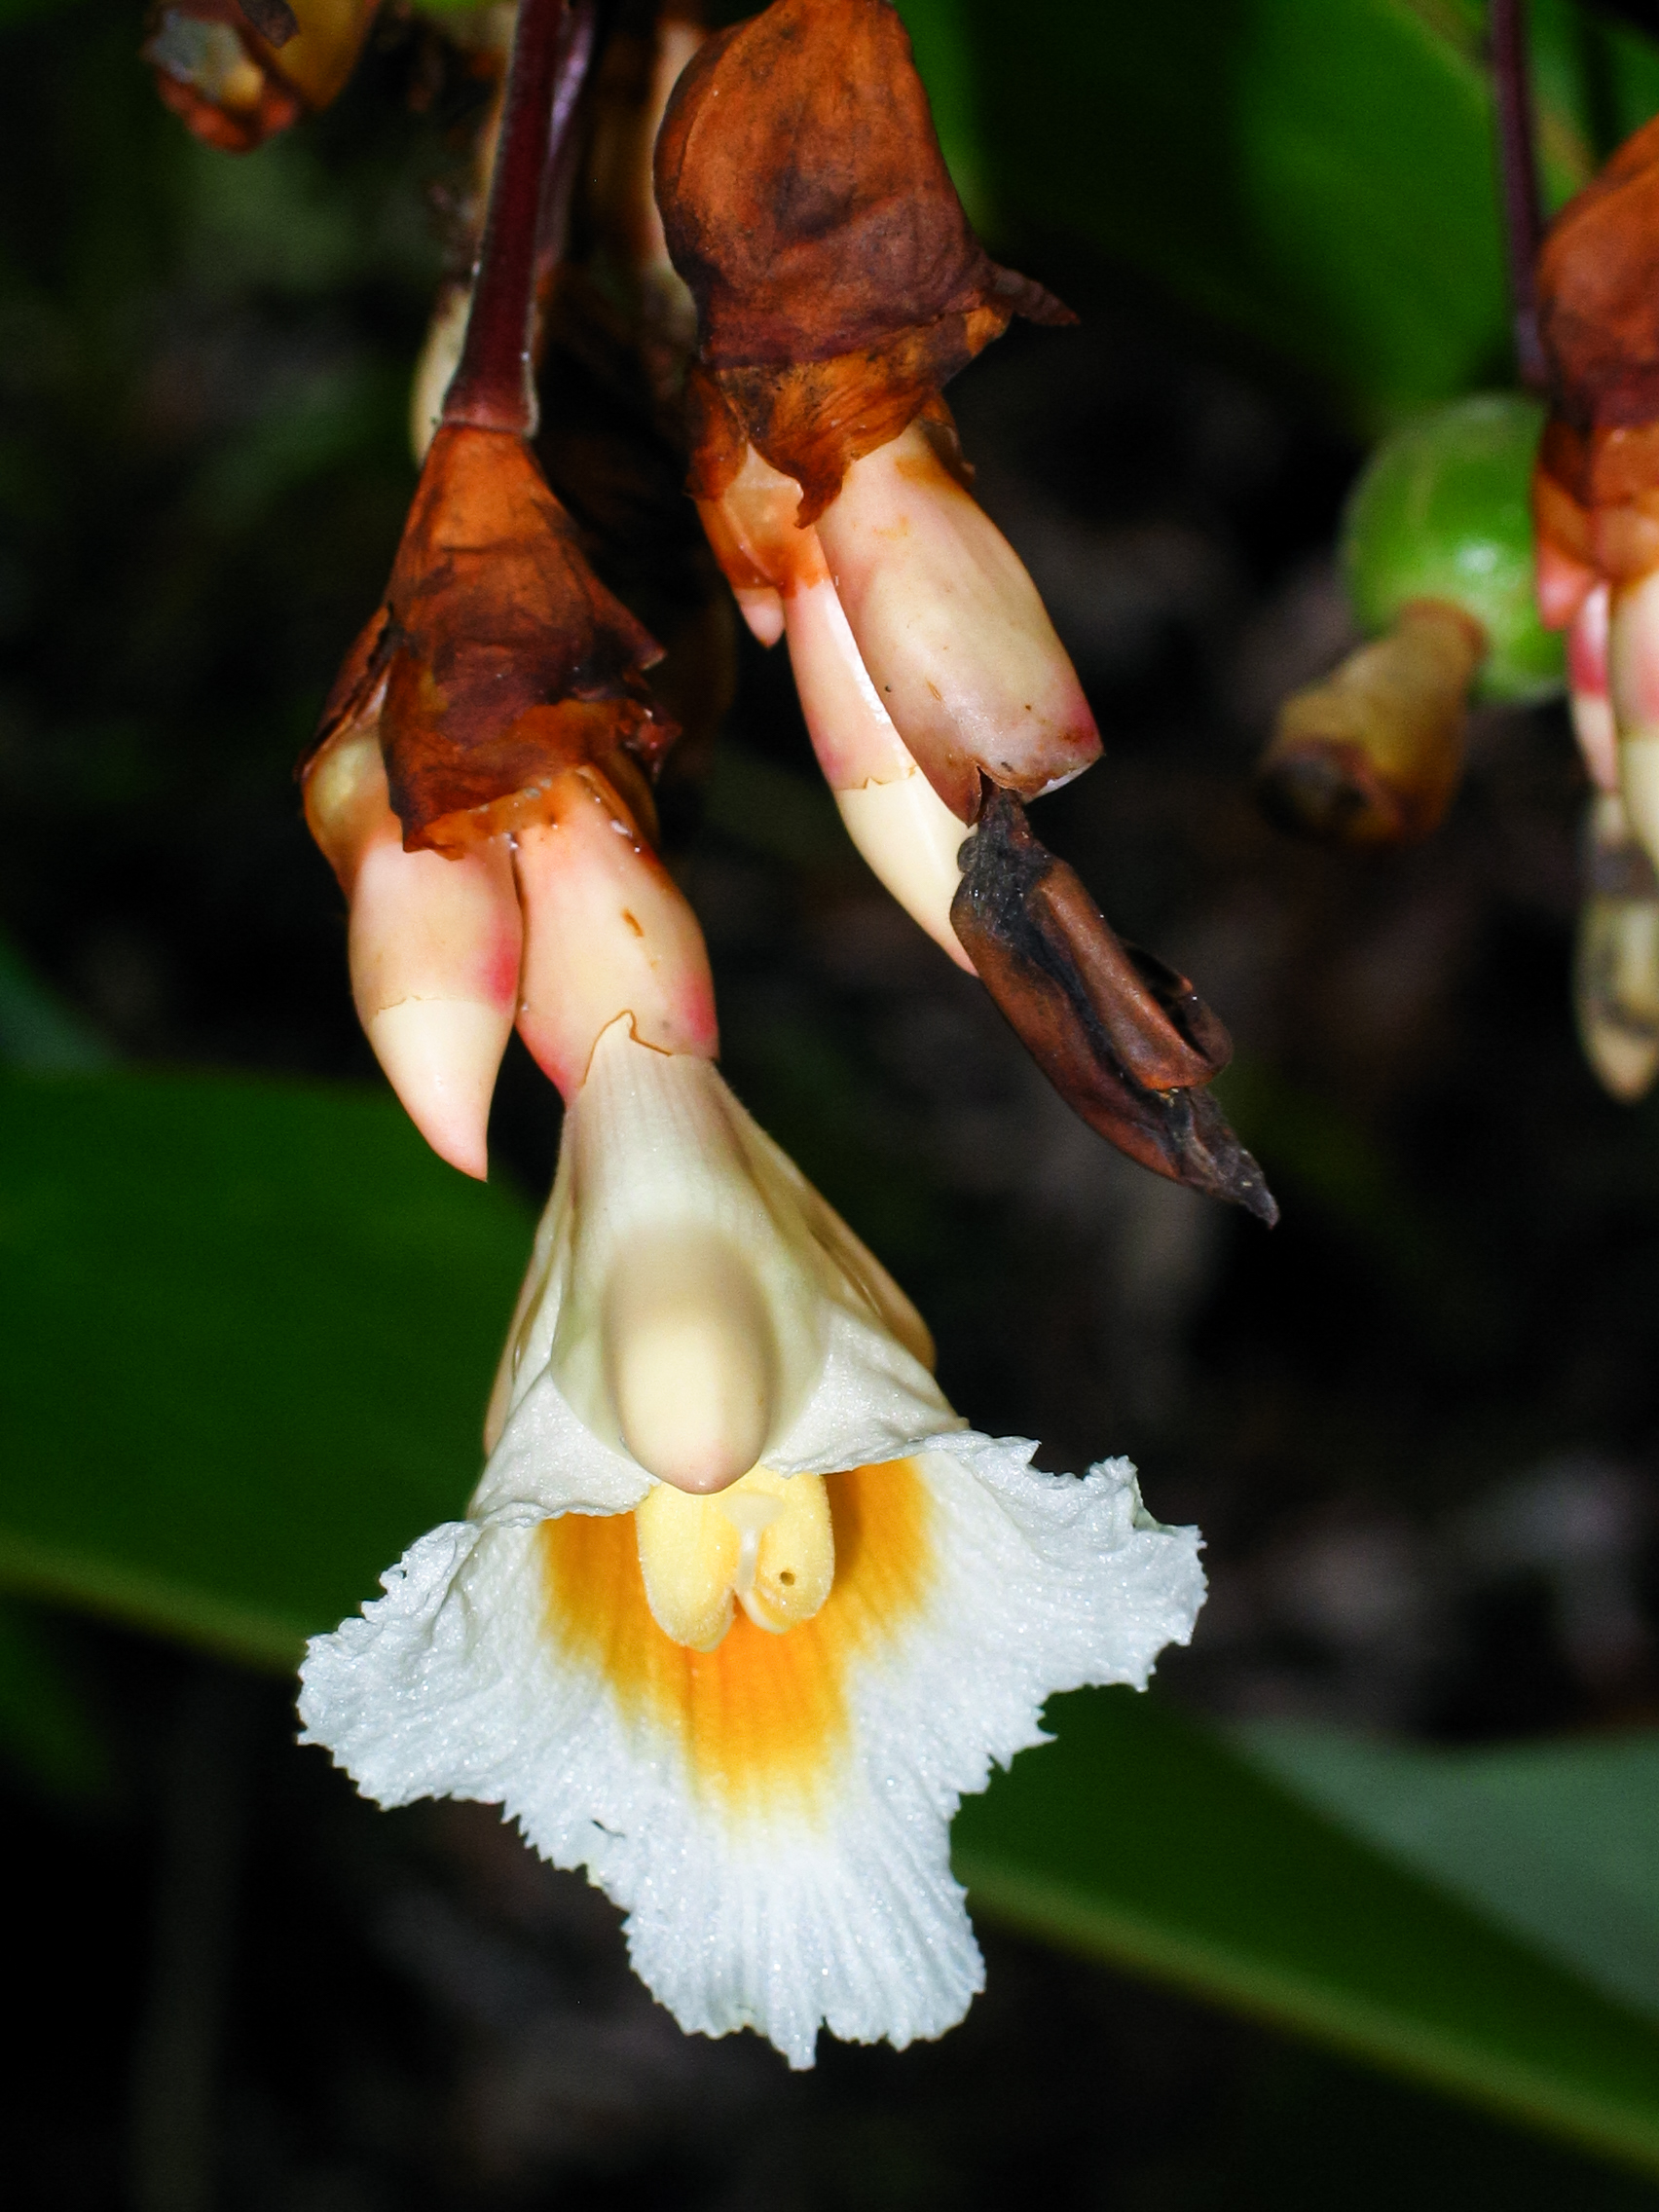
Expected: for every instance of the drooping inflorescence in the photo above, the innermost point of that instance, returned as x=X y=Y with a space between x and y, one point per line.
x=740 y=1606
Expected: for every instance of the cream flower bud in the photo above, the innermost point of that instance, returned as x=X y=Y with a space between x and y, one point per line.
x=1616 y=957
x=608 y=931
x=434 y=946
x=1633 y=680
x=693 y=1306
x=1587 y=680
x=956 y=640
x=898 y=822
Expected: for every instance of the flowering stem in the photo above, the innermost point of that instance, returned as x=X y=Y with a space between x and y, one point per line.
x=1517 y=161
x=493 y=388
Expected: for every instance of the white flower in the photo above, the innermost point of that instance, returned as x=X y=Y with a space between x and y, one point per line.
x=862 y=1625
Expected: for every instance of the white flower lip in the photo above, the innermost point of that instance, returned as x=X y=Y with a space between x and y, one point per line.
x=773 y=1817
x=693 y=1306
x=750 y=1716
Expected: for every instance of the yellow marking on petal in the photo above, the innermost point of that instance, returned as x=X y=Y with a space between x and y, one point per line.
x=762 y=1715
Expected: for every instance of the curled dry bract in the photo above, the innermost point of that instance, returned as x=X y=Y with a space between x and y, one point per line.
x=806 y=203
x=504 y=660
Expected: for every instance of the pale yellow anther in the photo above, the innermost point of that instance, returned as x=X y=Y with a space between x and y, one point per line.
x=765 y=1543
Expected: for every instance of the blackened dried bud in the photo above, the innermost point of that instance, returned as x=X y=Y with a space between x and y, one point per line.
x=838 y=282
x=1373 y=755
x=237 y=74
x=503 y=660
x=1126 y=1042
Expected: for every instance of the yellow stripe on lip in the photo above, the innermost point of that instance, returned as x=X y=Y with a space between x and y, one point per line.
x=762 y=1716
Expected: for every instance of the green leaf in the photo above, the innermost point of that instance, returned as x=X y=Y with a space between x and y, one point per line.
x=1319 y=174
x=1557 y=1841
x=249 y=1330
x=37 y=1030
x=1140 y=1838
x=46 y=1732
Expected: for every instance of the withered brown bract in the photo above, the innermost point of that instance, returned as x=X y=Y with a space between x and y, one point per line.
x=807 y=206
x=504 y=660
x=1126 y=1042
x=1598 y=293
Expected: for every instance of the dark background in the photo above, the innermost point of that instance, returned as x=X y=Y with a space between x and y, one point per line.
x=1416 y=1422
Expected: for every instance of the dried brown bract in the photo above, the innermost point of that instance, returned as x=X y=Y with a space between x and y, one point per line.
x=503 y=659
x=1127 y=1042
x=807 y=206
x=1597 y=485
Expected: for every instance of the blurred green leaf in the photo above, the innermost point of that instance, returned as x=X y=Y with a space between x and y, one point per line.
x=1320 y=174
x=1141 y=1839
x=1558 y=1841
x=37 y=1030
x=46 y=1732
x=249 y=1329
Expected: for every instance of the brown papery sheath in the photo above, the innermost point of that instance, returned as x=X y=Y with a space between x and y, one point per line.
x=807 y=206
x=506 y=660
x=1127 y=1042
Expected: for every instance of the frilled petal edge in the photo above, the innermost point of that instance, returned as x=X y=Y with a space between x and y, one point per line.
x=773 y=1816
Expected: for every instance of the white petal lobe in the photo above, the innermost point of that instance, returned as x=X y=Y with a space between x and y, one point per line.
x=828 y=1902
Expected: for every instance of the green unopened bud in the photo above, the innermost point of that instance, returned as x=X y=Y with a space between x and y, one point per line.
x=1443 y=511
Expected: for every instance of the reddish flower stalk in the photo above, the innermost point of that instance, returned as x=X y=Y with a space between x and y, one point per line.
x=1518 y=172
x=494 y=388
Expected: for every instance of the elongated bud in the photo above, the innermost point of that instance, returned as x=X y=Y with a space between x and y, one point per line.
x=762 y=551
x=1615 y=972
x=1374 y=753
x=765 y=1543
x=893 y=814
x=1633 y=682
x=1587 y=681
x=434 y=946
x=950 y=627
x=694 y=1302
x=607 y=933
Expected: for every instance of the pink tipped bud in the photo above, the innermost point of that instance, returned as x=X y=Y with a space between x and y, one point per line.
x=893 y=814
x=1633 y=684
x=951 y=629
x=1562 y=585
x=433 y=947
x=608 y=931
x=852 y=733
x=763 y=554
x=1587 y=679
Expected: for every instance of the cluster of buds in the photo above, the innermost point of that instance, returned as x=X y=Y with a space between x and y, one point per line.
x=1596 y=494
x=740 y=1606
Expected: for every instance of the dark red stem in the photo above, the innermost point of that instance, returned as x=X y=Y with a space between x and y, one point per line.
x=493 y=388
x=1518 y=163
